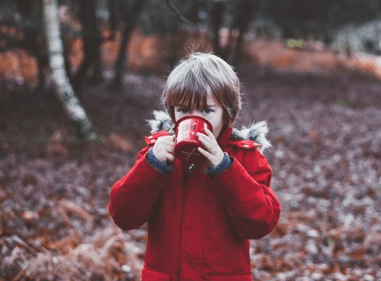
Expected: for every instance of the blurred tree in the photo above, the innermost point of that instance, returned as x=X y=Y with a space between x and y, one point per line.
x=296 y=18
x=112 y=18
x=178 y=14
x=22 y=29
x=235 y=15
x=216 y=15
x=129 y=13
x=242 y=17
x=158 y=17
x=90 y=68
x=186 y=22
x=70 y=102
x=301 y=18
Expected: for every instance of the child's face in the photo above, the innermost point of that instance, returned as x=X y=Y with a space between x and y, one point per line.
x=212 y=112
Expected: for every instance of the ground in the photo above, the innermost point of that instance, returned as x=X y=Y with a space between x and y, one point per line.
x=326 y=137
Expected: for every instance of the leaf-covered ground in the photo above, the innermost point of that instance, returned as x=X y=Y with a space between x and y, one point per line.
x=326 y=158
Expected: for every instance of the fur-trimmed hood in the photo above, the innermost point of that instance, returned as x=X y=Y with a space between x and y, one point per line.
x=255 y=132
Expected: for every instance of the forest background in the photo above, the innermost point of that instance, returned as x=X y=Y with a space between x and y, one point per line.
x=79 y=79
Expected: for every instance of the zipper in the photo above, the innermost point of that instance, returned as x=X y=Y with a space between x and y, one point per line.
x=185 y=191
x=187 y=172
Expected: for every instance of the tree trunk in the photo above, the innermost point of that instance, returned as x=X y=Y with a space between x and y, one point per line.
x=41 y=75
x=65 y=91
x=94 y=38
x=120 y=63
x=242 y=18
x=113 y=25
x=37 y=47
x=216 y=17
x=129 y=24
x=92 y=41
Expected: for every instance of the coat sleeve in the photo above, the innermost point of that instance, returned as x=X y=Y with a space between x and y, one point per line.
x=134 y=196
x=244 y=191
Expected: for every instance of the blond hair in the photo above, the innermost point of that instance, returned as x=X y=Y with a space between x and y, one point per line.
x=198 y=75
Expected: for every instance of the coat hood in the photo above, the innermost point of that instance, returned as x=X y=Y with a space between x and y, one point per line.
x=255 y=132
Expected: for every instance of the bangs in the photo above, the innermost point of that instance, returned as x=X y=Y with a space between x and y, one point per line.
x=188 y=92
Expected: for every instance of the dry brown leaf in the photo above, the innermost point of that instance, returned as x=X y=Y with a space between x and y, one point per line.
x=56 y=149
x=71 y=208
x=119 y=142
x=67 y=244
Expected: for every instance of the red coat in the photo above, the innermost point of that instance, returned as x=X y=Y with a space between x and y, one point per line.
x=198 y=226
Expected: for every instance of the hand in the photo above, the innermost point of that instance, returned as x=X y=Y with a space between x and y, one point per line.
x=212 y=152
x=164 y=148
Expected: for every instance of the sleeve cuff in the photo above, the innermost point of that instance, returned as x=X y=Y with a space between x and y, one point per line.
x=157 y=164
x=224 y=165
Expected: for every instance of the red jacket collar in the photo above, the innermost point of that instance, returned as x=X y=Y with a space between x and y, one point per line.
x=223 y=138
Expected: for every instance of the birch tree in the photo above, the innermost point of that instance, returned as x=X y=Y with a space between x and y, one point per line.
x=65 y=90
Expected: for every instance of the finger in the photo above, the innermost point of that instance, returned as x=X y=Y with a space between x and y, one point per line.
x=210 y=144
x=170 y=148
x=167 y=138
x=168 y=141
x=170 y=157
x=205 y=153
x=165 y=145
x=205 y=137
x=210 y=134
x=206 y=142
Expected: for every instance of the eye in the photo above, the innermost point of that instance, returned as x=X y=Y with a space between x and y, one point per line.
x=182 y=110
x=207 y=110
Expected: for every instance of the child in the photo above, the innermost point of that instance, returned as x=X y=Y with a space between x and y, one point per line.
x=199 y=218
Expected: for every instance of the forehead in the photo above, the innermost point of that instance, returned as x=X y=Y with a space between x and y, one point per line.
x=210 y=100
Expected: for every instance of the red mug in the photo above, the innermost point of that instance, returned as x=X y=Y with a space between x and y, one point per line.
x=187 y=142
